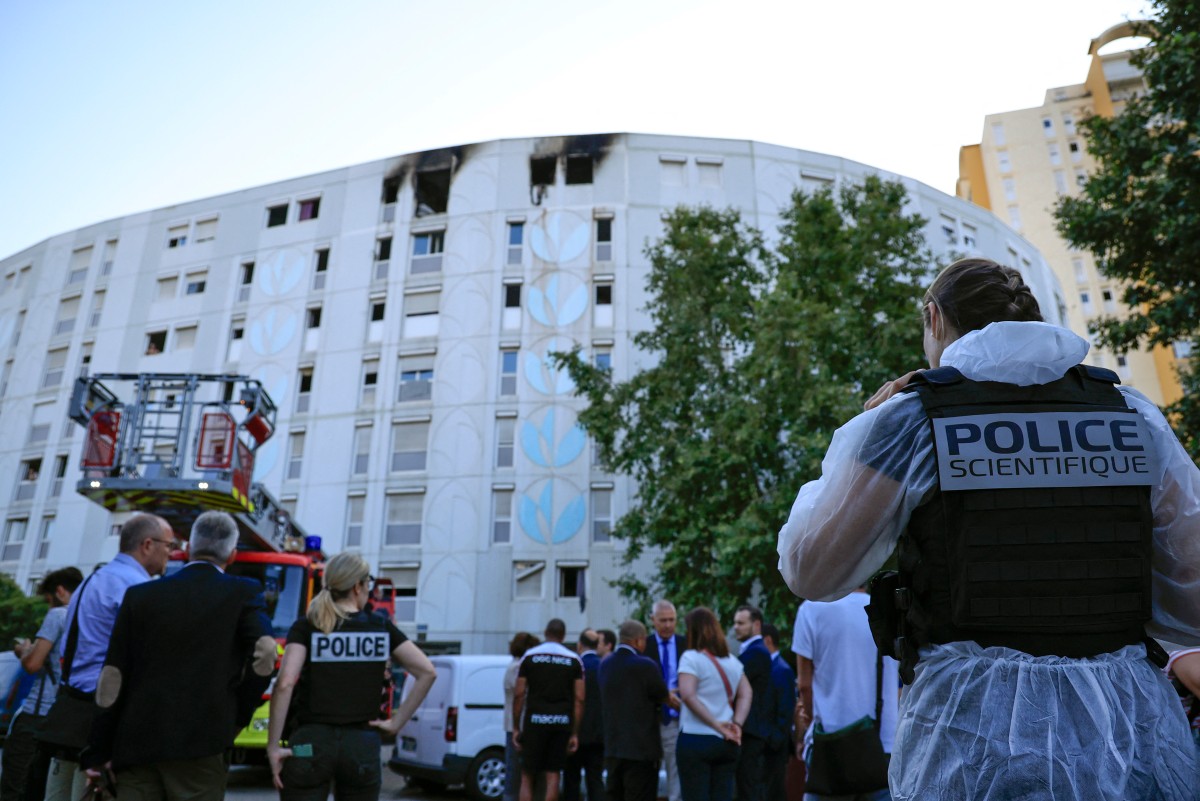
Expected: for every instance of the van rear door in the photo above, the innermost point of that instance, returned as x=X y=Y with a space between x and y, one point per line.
x=429 y=722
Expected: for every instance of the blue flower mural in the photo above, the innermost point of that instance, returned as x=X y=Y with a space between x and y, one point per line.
x=539 y=520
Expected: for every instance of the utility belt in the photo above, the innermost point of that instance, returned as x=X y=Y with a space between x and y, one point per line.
x=894 y=607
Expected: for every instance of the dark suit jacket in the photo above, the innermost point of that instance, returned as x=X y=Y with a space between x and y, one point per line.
x=182 y=648
x=783 y=703
x=591 y=726
x=631 y=688
x=757 y=661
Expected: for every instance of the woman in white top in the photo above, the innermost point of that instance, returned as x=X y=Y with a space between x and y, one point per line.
x=710 y=730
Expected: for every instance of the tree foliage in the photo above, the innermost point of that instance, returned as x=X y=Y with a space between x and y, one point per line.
x=759 y=353
x=1139 y=212
x=20 y=614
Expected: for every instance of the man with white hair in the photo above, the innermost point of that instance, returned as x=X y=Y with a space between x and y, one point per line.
x=181 y=650
x=665 y=647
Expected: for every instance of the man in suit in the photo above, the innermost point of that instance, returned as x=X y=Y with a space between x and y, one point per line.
x=751 y=775
x=783 y=707
x=632 y=690
x=181 y=651
x=665 y=648
x=589 y=756
x=607 y=642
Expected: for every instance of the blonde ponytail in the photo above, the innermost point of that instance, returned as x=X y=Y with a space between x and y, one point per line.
x=342 y=574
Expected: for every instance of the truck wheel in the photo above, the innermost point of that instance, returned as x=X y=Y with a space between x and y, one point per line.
x=485 y=777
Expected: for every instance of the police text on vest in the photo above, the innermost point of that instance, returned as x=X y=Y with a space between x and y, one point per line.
x=350 y=646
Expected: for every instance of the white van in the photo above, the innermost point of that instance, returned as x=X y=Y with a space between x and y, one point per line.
x=456 y=736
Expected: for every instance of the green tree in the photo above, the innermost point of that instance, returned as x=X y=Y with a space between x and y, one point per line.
x=1139 y=212
x=20 y=615
x=759 y=353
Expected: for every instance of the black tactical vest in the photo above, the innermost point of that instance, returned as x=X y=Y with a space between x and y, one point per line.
x=344 y=671
x=1038 y=537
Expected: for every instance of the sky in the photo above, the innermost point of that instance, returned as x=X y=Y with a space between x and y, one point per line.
x=116 y=107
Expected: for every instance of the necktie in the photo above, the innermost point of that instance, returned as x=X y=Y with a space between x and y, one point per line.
x=666 y=671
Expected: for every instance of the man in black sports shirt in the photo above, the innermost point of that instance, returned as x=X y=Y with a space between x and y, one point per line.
x=548 y=703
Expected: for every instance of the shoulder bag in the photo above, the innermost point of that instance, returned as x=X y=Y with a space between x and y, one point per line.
x=849 y=760
x=68 y=724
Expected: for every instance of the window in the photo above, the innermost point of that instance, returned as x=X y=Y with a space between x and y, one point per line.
x=571 y=581
x=1123 y=368
x=1076 y=151
x=14 y=539
x=1048 y=126
x=416 y=378
x=276 y=215
x=391 y=190
x=505 y=428
x=1182 y=350
x=502 y=502
x=60 y=472
x=247 y=279
x=309 y=209
x=673 y=170
x=510 y=318
x=601 y=515
x=602 y=310
x=383 y=255
x=527 y=579
x=38 y=434
x=579 y=168
x=427 y=252
x=433 y=192
x=404 y=583
x=206 y=230
x=237 y=332
x=68 y=310
x=1110 y=303
x=97 y=308
x=602 y=358
x=370 y=380
x=185 y=337
x=362 y=450
x=304 y=385
x=80 y=259
x=1014 y=217
x=295 y=454
x=998 y=138
x=321 y=256
x=177 y=236
x=542 y=170
x=168 y=287
x=44 y=539
x=1080 y=271
x=1010 y=189
x=421 y=314
x=508 y=372
x=378 y=308
x=56 y=362
x=516 y=242
x=27 y=476
x=1085 y=300
x=356 y=510
x=312 y=317
x=404 y=514
x=1054 y=153
x=195 y=283
x=409 y=444
x=110 y=256
x=970 y=235
x=1060 y=182
x=1003 y=160
x=1080 y=177
x=709 y=172
x=604 y=239
x=1069 y=124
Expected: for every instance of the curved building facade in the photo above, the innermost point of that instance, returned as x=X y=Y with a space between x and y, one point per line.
x=400 y=313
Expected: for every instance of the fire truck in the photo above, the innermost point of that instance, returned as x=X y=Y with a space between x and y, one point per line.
x=181 y=444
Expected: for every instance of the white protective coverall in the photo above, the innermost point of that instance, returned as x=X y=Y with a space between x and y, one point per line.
x=996 y=723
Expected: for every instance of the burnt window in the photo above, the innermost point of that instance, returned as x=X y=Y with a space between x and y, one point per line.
x=579 y=169
x=433 y=191
x=276 y=215
x=541 y=170
x=391 y=190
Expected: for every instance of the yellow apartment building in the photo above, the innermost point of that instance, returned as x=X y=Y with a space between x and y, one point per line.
x=1031 y=157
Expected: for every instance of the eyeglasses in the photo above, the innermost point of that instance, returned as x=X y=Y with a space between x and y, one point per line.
x=171 y=544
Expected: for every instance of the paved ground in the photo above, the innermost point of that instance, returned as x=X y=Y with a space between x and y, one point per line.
x=253 y=783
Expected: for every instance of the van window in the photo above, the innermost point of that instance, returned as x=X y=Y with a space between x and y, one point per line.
x=484 y=688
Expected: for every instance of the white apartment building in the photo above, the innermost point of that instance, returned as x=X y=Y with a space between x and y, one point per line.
x=401 y=314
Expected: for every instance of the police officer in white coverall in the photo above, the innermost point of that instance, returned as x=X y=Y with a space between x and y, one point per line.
x=1045 y=520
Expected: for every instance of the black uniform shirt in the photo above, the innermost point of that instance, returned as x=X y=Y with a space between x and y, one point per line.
x=550 y=672
x=343 y=670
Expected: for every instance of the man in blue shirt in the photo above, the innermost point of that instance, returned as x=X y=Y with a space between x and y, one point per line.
x=146 y=542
